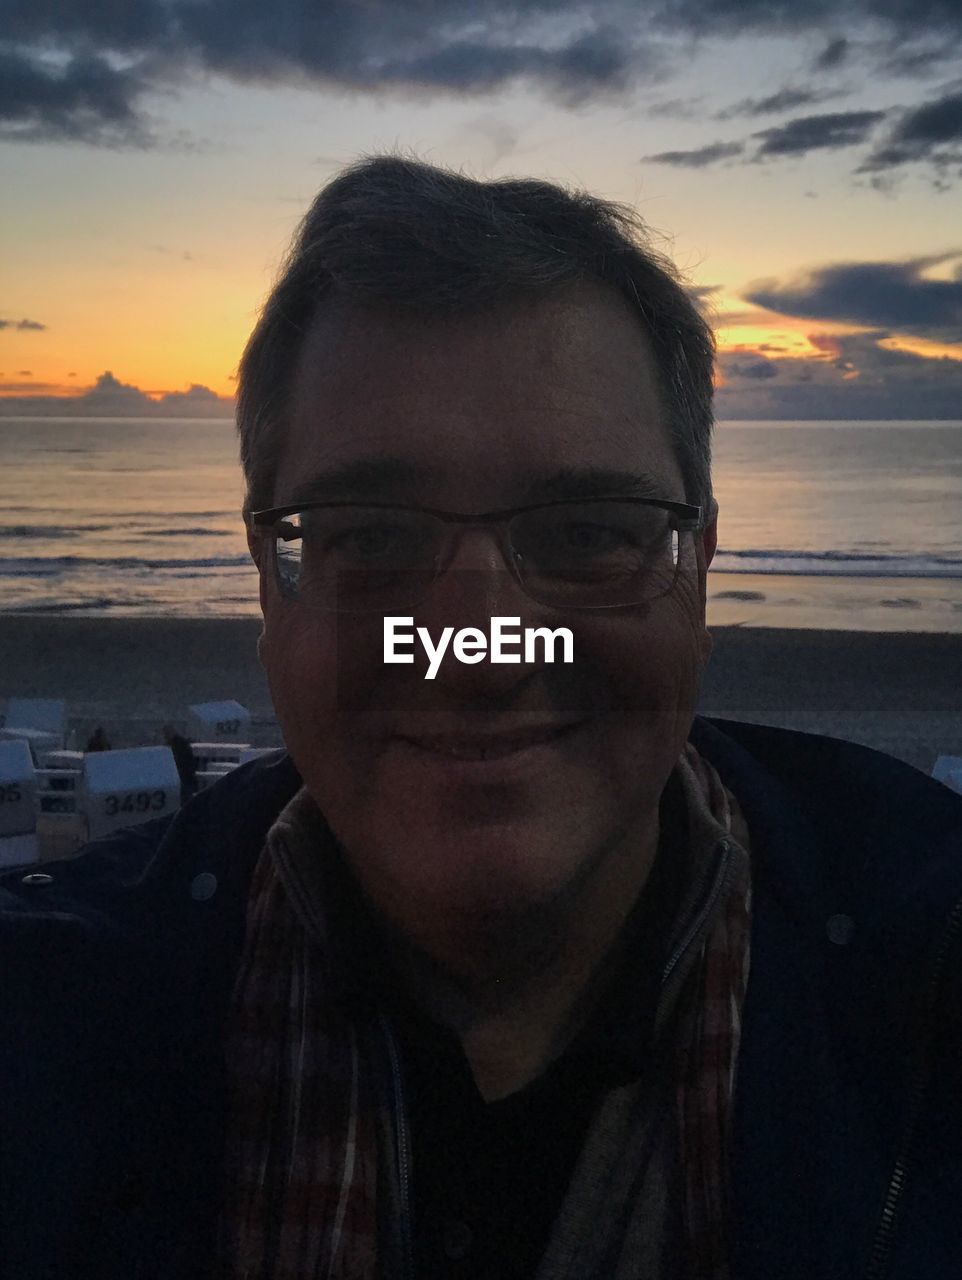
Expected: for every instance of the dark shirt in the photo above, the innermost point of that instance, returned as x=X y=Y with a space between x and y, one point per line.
x=489 y=1178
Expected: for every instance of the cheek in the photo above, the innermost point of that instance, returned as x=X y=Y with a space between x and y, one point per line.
x=325 y=678
x=301 y=664
x=652 y=664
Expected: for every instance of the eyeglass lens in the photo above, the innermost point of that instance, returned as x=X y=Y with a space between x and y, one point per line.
x=596 y=553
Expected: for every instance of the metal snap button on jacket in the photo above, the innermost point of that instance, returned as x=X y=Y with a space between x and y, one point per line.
x=203 y=887
x=840 y=929
x=456 y=1240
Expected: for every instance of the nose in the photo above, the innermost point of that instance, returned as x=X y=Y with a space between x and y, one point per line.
x=475 y=584
x=476 y=578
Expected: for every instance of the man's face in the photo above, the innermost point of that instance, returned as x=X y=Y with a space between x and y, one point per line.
x=482 y=414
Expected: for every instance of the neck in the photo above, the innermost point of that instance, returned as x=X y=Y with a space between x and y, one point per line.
x=518 y=987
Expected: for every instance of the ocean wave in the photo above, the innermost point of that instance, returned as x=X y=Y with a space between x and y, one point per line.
x=51 y=531
x=45 y=567
x=38 y=531
x=188 y=533
x=69 y=606
x=864 y=564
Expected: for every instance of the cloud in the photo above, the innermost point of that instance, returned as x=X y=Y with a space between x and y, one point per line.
x=676 y=109
x=786 y=99
x=895 y=19
x=796 y=138
x=111 y=398
x=83 y=72
x=760 y=368
x=836 y=52
x=23 y=324
x=13 y=387
x=83 y=99
x=916 y=61
x=700 y=157
x=78 y=70
x=196 y=399
x=853 y=377
x=813 y=133
x=931 y=132
x=896 y=295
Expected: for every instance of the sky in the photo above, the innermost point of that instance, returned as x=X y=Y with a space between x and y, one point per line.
x=801 y=164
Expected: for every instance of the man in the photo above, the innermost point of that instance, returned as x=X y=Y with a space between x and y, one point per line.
x=521 y=969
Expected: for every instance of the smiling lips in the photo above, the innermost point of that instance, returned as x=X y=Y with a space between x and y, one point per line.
x=486 y=746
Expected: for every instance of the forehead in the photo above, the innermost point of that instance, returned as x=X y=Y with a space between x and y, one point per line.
x=473 y=411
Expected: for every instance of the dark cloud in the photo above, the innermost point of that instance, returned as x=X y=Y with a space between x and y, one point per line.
x=918 y=60
x=931 y=132
x=83 y=99
x=892 y=294
x=22 y=324
x=677 y=109
x=814 y=133
x=786 y=99
x=594 y=64
x=754 y=370
x=700 y=157
x=852 y=377
x=835 y=53
x=82 y=69
x=901 y=19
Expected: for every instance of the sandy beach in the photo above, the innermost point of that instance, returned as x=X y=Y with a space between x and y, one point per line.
x=898 y=692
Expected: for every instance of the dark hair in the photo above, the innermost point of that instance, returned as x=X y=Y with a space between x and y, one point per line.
x=396 y=232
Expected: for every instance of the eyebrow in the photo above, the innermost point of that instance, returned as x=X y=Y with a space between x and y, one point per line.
x=387 y=477
x=594 y=482
x=365 y=477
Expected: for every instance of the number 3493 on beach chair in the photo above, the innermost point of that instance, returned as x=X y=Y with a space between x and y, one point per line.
x=125 y=788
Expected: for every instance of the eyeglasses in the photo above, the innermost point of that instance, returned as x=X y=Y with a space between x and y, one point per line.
x=598 y=553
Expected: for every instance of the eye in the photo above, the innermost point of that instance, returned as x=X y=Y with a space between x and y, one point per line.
x=372 y=541
x=581 y=536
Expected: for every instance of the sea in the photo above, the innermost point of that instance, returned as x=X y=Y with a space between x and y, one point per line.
x=842 y=525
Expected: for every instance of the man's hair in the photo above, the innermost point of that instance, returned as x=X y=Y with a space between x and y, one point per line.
x=397 y=233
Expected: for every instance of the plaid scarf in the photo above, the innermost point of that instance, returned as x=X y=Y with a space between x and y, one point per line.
x=303 y=1138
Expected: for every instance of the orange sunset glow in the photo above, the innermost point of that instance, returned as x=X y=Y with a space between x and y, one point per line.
x=807 y=197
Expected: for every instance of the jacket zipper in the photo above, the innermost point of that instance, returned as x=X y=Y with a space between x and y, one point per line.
x=708 y=905
x=888 y=1220
x=403 y=1143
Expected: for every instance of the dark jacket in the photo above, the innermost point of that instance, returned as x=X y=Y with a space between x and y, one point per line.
x=848 y=1123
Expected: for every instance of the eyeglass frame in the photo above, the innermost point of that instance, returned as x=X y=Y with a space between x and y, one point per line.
x=688 y=519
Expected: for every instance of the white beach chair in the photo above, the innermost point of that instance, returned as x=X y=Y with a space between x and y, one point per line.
x=218 y=756
x=254 y=753
x=40 y=721
x=62 y=760
x=18 y=805
x=57 y=790
x=218 y=721
x=127 y=787
x=948 y=769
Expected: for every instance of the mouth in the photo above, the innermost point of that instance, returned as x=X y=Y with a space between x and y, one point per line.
x=480 y=747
